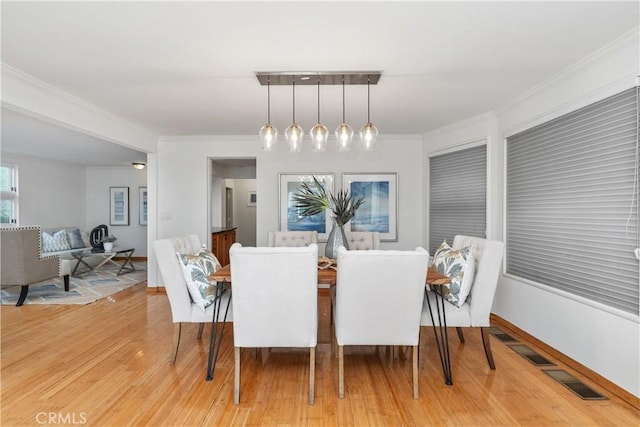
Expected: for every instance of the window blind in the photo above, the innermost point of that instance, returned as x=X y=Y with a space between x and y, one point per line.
x=457 y=195
x=572 y=202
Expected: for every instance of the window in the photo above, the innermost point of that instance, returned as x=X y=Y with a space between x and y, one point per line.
x=572 y=202
x=457 y=195
x=8 y=194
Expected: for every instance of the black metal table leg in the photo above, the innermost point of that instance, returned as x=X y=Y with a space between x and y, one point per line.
x=442 y=341
x=214 y=349
x=123 y=266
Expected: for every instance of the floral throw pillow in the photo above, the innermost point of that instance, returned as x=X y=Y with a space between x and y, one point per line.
x=196 y=270
x=459 y=266
x=206 y=253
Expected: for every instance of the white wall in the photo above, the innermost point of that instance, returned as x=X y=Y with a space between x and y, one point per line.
x=99 y=179
x=51 y=193
x=183 y=180
x=602 y=339
x=244 y=216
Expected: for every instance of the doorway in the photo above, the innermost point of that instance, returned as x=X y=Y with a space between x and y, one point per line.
x=228 y=207
x=230 y=183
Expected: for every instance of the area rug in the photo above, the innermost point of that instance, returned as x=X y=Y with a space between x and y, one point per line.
x=85 y=289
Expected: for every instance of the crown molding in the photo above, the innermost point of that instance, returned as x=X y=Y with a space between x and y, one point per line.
x=26 y=88
x=628 y=37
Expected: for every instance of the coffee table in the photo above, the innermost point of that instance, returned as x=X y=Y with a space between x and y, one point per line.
x=107 y=256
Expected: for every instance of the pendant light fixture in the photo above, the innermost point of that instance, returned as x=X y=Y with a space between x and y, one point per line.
x=319 y=133
x=344 y=133
x=368 y=132
x=268 y=133
x=294 y=133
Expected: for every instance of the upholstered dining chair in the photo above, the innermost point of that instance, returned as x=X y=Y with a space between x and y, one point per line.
x=476 y=309
x=22 y=263
x=378 y=301
x=274 y=302
x=183 y=309
x=292 y=238
x=363 y=240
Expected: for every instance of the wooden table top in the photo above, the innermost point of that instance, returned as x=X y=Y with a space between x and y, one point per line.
x=328 y=276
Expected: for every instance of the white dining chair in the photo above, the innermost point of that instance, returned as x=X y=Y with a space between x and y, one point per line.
x=291 y=238
x=476 y=309
x=378 y=301
x=363 y=240
x=275 y=302
x=183 y=309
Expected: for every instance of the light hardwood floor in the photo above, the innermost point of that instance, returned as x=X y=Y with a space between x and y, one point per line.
x=107 y=364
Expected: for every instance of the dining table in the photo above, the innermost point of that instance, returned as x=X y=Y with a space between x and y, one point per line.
x=327 y=276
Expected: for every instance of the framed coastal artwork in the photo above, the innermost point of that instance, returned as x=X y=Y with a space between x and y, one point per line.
x=142 y=205
x=290 y=219
x=119 y=205
x=252 y=198
x=379 y=212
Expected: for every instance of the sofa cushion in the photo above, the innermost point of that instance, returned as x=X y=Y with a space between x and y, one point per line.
x=56 y=242
x=196 y=269
x=459 y=266
x=75 y=238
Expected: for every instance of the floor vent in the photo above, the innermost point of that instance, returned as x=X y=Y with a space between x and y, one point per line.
x=582 y=390
x=501 y=335
x=530 y=355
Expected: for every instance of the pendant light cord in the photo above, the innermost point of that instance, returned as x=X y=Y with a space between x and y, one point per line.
x=368 y=100
x=269 y=100
x=343 y=104
x=318 y=99
x=294 y=100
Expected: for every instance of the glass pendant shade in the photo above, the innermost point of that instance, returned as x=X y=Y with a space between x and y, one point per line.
x=368 y=135
x=268 y=136
x=319 y=136
x=294 y=134
x=344 y=135
x=268 y=133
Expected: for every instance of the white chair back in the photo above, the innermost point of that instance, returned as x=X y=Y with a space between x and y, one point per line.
x=292 y=238
x=363 y=240
x=379 y=296
x=172 y=276
x=488 y=258
x=275 y=292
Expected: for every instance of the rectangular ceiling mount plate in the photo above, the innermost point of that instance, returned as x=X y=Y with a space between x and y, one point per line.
x=326 y=78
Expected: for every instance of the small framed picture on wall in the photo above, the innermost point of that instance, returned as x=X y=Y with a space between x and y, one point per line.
x=142 y=205
x=119 y=205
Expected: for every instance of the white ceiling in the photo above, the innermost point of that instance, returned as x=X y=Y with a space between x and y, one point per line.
x=188 y=68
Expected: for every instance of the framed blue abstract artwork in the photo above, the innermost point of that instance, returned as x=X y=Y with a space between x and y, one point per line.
x=379 y=210
x=290 y=220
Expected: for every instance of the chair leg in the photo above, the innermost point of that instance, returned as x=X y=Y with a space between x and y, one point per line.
x=66 y=282
x=23 y=295
x=177 y=328
x=415 y=371
x=312 y=374
x=487 y=347
x=236 y=376
x=460 y=335
x=200 y=329
x=341 y=372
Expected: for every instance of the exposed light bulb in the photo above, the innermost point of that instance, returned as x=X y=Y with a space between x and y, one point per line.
x=268 y=136
x=294 y=134
x=319 y=136
x=368 y=135
x=344 y=135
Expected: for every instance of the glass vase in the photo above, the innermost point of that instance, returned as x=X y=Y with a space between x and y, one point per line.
x=337 y=238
